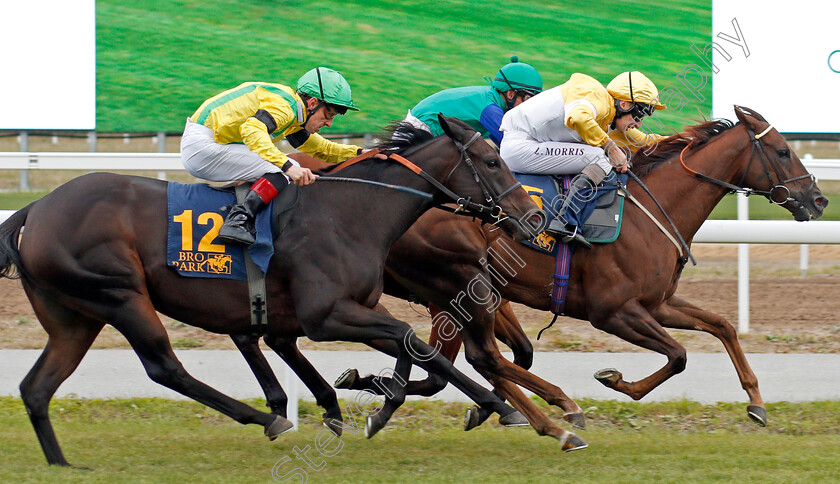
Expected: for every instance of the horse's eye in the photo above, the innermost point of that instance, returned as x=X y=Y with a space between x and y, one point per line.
x=784 y=153
x=492 y=163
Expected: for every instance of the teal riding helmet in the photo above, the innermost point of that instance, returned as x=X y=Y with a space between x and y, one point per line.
x=517 y=76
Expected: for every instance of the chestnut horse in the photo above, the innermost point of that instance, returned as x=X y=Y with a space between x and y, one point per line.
x=94 y=253
x=626 y=288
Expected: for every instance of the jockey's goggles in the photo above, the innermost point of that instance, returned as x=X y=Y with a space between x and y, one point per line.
x=525 y=94
x=640 y=110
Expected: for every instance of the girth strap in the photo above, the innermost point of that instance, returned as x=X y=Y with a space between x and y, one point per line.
x=256 y=282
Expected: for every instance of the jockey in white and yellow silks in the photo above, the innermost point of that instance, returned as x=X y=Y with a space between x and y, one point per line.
x=579 y=127
x=230 y=138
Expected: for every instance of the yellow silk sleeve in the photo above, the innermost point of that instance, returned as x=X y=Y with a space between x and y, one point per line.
x=635 y=139
x=256 y=138
x=582 y=120
x=331 y=152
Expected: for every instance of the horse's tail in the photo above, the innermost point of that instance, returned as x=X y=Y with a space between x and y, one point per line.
x=11 y=265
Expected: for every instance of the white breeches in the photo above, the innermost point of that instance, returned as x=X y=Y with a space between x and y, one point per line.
x=205 y=158
x=524 y=154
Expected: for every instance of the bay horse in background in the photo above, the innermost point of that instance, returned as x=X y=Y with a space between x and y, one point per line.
x=94 y=253
x=626 y=288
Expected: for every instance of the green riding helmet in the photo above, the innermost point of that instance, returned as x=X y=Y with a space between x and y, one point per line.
x=327 y=85
x=517 y=76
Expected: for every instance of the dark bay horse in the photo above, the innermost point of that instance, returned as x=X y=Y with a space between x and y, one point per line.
x=625 y=288
x=93 y=252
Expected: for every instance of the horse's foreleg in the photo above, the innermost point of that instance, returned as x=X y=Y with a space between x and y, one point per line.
x=538 y=420
x=483 y=353
x=276 y=398
x=447 y=345
x=507 y=328
x=394 y=394
x=680 y=314
x=509 y=331
x=350 y=321
x=634 y=324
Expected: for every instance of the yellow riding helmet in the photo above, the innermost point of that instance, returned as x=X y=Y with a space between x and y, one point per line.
x=635 y=87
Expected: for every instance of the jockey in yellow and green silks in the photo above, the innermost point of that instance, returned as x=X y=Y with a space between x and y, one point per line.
x=229 y=137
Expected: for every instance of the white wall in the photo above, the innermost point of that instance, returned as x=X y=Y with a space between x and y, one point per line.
x=49 y=59
x=779 y=64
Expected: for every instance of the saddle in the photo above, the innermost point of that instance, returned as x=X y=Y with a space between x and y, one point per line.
x=195 y=214
x=600 y=219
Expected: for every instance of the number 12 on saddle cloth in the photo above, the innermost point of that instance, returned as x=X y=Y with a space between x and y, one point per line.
x=195 y=215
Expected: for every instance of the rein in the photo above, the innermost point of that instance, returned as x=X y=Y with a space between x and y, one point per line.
x=766 y=162
x=682 y=246
x=492 y=209
x=399 y=188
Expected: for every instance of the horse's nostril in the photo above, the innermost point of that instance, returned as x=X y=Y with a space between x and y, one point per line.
x=821 y=202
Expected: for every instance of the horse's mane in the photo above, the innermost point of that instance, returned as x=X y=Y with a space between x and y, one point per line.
x=398 y=137
x=693 y=136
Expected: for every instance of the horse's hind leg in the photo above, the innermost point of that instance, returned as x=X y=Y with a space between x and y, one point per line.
x=634 y=324
x=680 y=314
x=324 y=394
x=137 y=320
x=70 y=336
x=275 y=397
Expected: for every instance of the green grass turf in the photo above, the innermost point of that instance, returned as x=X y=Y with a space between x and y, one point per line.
x=148 y=440
x=157 y=60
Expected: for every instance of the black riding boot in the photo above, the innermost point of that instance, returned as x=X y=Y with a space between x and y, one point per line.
x=239 y=223
x=559 y=227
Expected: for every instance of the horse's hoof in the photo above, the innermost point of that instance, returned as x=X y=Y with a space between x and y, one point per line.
x=514 y=419
x=471 y=418
x=347 y=379
x=608 y=376
x=573 y=442
x=757 y=414
x=278 y=426
x=373 y=424
x=334 y=425
x=576 y=419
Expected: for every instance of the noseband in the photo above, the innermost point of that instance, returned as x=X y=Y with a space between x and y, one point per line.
x=770 y=168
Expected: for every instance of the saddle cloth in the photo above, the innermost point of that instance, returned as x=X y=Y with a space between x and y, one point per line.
x=195 y=215
x=601 y=213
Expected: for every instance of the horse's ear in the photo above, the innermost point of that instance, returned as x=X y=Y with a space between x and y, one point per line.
x=744 y=116
x=453 y=130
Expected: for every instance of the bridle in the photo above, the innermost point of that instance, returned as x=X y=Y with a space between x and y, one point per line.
x=488 y=210
x=770 y=166
x=492 y=209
